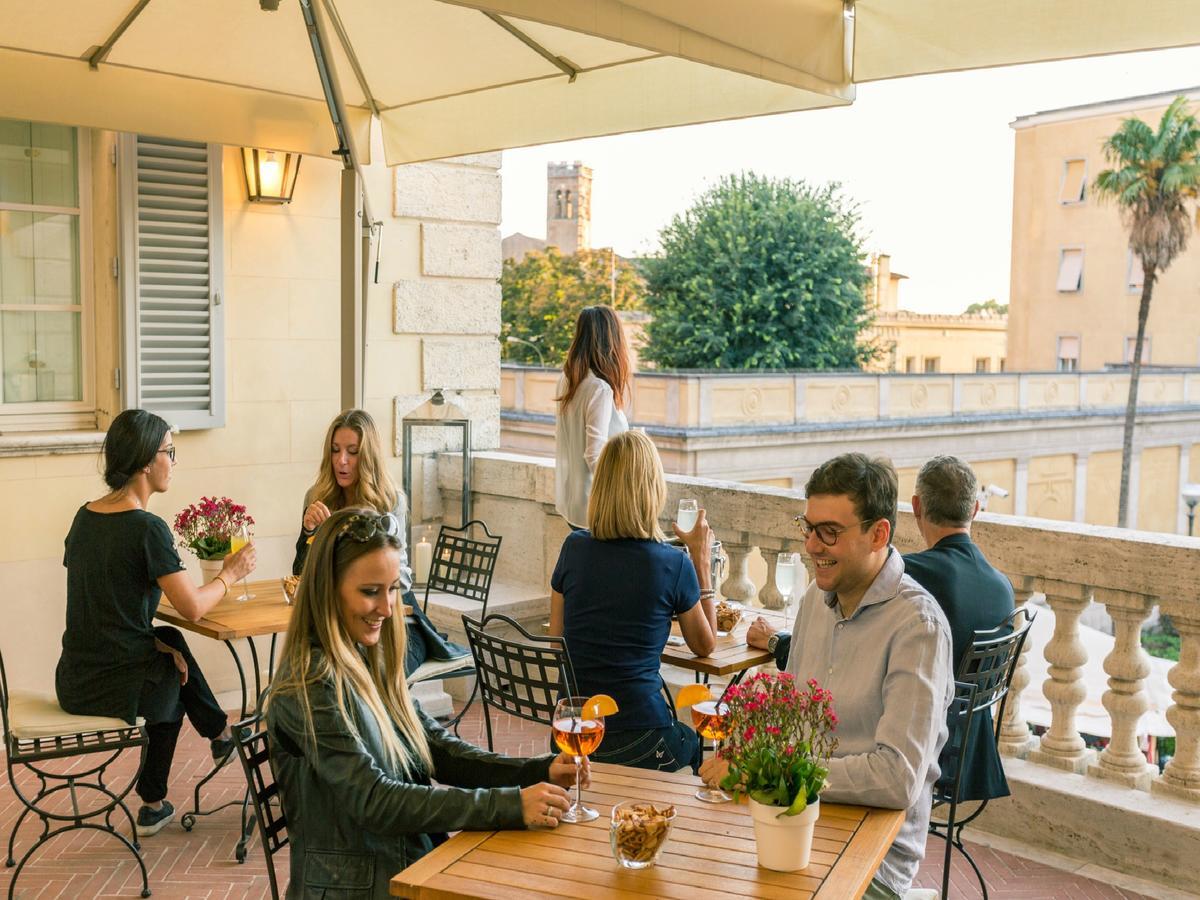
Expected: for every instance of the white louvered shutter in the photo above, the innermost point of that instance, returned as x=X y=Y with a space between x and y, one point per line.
x=171 y=276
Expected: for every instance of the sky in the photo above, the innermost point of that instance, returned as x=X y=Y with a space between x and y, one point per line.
x=929 y=159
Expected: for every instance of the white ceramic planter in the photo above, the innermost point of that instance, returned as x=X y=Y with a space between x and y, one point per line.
x=210 y=569
x=784 y=842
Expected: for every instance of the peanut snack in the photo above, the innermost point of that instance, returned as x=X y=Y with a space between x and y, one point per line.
x=639 y=832
x=728 y=615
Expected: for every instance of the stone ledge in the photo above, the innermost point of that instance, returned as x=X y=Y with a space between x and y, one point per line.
x=50 y=443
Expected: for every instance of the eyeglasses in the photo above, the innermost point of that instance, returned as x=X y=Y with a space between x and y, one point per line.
x=827 y=532
x=365 y=527
x=170 y=451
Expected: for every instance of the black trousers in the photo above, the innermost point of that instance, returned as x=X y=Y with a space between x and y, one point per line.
x=163 y=703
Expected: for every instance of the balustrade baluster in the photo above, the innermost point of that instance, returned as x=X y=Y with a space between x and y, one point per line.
x=769 y=596
x=1061 y=746
x=737 y=585
x=1181 y=778
x=1015 y=739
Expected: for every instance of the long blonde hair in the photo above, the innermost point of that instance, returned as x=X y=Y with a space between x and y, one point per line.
x=375 y=487
x=629 y=490
x=374 y=674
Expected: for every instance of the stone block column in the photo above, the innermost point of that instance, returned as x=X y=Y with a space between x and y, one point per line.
x=1015 y=739
x=1127 y=667
x=1181 y=778
x=737 y=585
x=1061 y=746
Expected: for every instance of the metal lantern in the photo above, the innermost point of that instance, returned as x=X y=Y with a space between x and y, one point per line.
x=270 y=175
x=436 y=412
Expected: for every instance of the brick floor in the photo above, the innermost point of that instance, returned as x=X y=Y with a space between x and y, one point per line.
x=201 y=864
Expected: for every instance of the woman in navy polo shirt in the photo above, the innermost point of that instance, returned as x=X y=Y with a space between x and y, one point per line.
x=615 y=588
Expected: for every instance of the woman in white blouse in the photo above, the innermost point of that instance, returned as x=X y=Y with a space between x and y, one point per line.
x=592 y=393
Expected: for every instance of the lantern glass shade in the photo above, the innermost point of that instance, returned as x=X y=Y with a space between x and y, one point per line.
x=270 y=174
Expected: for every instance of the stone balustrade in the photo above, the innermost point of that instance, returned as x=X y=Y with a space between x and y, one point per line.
x=1072 y=565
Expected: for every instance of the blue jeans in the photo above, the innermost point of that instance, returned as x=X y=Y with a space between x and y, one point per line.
x=664 y=749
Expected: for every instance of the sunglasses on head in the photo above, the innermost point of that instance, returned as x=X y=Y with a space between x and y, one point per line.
x=362 y=527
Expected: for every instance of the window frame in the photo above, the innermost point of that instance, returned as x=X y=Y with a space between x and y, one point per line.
x=1130 y=346
x=1059 y=358
x=983 y=365
x=935 y=361
x=1062 y=255
x=61 y=415
x=1062 y=183
x=1130 y=286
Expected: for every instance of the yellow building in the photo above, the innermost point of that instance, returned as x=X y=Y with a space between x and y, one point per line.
x=929 y=342
x=1075 y=284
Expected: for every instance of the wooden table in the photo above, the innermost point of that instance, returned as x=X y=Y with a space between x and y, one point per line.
x=710 y=853
x=733 y=656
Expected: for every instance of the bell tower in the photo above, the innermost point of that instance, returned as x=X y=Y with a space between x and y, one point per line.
x=569 y=206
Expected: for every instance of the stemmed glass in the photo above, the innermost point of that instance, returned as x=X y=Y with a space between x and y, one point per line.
x=577 y=732
x=685 y=516
x=236 y=543
x=785 y=578
x=708 y=718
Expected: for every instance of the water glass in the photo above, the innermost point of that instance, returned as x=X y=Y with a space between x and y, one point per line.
x=686 y=515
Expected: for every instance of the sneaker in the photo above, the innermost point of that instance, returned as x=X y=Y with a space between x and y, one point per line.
x=151 y=821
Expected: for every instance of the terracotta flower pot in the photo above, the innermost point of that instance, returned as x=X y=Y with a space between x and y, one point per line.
x=784 y=843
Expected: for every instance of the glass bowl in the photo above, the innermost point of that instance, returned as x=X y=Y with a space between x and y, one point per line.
x=638 y=832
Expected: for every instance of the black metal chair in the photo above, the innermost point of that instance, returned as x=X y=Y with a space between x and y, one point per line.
x=462 y=566
x=37 y=732
x=254 y=752
x=519 y=677
x=988 y=666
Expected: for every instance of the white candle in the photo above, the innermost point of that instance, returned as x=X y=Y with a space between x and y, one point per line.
x=422 y=561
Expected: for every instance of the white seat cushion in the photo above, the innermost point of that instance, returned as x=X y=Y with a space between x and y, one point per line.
x=431 y=669
x=38 y=716
x=921 y=894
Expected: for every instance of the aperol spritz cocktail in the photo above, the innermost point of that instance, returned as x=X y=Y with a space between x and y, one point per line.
x=708 y=718
x=237 y=541
x=578 y=730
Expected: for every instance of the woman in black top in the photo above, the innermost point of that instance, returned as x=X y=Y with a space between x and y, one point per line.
x=120 y=559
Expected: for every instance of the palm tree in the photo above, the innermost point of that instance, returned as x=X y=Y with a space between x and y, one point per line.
x=1153 y=174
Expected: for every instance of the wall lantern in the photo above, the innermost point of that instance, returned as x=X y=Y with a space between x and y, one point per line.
x=436 y=412
x=270 y=175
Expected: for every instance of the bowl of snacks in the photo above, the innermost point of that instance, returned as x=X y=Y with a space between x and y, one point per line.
x=728 y=615
x=638 y=832
x=290 y=583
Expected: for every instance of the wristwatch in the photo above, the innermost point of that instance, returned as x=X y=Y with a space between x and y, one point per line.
x=773 y=642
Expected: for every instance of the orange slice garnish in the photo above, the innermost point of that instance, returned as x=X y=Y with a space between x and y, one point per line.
x=691 y=694
x=600 y=705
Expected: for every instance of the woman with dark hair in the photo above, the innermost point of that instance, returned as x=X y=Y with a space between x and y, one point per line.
x=353 y=472
x=355 y=758
x=592 y=394
x=120 y=560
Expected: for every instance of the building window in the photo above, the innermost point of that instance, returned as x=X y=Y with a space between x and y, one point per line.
x=910 y=364
x=1068 y=353
x=43 y=291
x=1074 y=181
x=1003 y=365
x=933 y=364
x=1134 y=276
x=983 y=364
x=1070 y=269
x=1131 y=343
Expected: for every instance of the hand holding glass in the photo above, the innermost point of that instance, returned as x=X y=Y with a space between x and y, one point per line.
x=577 y=735
x=685 y=516
x=236 y=543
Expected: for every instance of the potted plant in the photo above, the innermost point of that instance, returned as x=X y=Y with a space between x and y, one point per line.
x=779 y=742
x=207 y=529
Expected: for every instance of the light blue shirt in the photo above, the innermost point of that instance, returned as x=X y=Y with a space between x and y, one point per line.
x=888 y=667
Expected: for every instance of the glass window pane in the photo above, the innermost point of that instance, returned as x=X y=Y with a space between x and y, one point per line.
x=16 y=175
x=41 y=356
x=18 y=352
x=52 y=157
x=39 y=258
x=16 y=257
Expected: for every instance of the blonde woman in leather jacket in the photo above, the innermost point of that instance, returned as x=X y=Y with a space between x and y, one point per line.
x=354 y=756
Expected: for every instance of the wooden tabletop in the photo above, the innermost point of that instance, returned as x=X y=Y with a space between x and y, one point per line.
x=733 y=654
x=709 y=854
x=265 y=613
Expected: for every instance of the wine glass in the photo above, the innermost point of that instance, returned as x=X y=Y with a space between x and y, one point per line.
x=577 y=733
x=708 y=718
x=685 y=516
x=785 y=578
x=236 y=542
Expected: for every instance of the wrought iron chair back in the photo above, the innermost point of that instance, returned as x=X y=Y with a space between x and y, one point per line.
x=522 y=677
x=254 y=753
x=463 y=565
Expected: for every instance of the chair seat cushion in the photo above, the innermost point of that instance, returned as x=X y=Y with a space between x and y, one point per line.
x=33 y=716
x=433 y=668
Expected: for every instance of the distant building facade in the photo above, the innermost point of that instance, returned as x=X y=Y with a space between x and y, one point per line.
x=929 y=342
x=1075 y=283
x=568 y=213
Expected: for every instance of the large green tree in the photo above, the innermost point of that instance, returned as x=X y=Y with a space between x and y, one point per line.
x=759 y=273
x=1154 y=173
x=541 y=296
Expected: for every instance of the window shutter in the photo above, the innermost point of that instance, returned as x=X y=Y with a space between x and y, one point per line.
x=172 y=280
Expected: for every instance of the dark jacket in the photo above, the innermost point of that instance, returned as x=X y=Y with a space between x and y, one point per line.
x=354 y=821
x=975 y=597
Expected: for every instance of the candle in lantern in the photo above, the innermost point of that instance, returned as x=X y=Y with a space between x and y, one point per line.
x=422 y=559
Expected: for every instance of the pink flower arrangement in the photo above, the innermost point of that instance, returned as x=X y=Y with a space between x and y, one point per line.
x=780 y=740
x=206 y=527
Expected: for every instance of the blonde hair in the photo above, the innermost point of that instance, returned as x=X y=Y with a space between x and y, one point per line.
x=374 y=674
x=628 y=490
x=374 y=487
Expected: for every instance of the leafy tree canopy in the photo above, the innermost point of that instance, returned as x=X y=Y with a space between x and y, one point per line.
x=988 y=306
x=760 y=273
x=541 y=296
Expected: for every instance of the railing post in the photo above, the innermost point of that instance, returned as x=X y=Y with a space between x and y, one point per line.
x=1127 y=667
x=1061 y=746
x=769 y=596
x=738 y=586
x=1181 y=778
x=1015 y=739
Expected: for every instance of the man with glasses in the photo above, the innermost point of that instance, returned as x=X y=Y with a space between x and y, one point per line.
x=879 y=642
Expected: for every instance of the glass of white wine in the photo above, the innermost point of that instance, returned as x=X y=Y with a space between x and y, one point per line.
x=785 y=578
x=237 y=542
x=686 y=515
